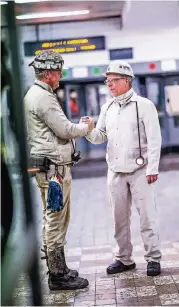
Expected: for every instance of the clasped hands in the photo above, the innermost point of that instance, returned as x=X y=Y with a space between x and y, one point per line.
x=89 y=121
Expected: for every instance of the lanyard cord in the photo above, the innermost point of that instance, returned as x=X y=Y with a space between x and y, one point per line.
x=41 y=86
x=137 y=113
x=74 y=146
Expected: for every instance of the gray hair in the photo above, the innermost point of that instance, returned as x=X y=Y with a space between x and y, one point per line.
x=130 y=80
x=39 y=74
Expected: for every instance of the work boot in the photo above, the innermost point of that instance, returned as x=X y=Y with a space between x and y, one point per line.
x=45 y=257
x=58 y=280
x=119 y=267
x=61 y=253
x=68 y=271
x=66 y=282
x=44 y=250
x=153 y=268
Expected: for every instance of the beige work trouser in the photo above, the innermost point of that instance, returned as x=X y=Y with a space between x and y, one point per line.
x=124 y=188
x=55 y=224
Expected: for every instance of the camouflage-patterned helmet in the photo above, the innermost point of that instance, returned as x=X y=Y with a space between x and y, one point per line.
x=48 y=60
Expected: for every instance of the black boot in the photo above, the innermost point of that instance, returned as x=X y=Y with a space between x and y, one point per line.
x=68 y=271
x=58 y=280
x=153 y=268
x=66 y=282
x=119 y=267
x=44 y=250
x=45 y=257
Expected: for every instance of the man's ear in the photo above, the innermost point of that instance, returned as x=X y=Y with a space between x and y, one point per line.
x=127 y=82
x=46 y=75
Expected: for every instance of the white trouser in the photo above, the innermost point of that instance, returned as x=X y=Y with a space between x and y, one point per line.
x=124 y=188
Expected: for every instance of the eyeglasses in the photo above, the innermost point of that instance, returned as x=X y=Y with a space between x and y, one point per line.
x=113 y=80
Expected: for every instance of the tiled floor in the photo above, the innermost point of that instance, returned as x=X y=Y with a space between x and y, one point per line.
x=131 y=288
x=91 y=248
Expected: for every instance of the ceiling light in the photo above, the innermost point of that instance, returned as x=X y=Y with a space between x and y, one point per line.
x=23 y=1
x=52 y=14
x=28 y=1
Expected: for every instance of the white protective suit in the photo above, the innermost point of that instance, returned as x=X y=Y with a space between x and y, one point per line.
x=118 y=125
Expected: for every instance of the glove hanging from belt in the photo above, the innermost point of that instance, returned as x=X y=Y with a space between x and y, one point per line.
x=55 y=193
x=55 y=188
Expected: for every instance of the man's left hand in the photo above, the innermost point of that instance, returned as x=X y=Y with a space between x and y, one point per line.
x=152 y=178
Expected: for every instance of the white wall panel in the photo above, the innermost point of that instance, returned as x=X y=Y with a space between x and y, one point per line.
x=77 y=29
x=27 y=33
x=152 y=15
x=86 y=59
x=148 y=45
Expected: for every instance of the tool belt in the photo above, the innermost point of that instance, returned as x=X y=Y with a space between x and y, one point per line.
x=38 y=164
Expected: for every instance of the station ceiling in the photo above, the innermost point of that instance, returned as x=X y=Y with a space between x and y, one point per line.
x=97 y=9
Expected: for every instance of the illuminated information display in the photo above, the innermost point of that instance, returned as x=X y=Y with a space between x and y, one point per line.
x=66 y=45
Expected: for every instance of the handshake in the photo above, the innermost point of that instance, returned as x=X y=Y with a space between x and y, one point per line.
x=87 y=120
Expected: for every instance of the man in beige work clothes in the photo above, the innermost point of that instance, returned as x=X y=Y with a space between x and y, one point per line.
x=50 y=138
x=130 y=125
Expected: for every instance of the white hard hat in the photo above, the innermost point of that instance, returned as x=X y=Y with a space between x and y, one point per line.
x=120 y=67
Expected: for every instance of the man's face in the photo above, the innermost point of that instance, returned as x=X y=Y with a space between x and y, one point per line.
x=117 y=84
x=53 y=77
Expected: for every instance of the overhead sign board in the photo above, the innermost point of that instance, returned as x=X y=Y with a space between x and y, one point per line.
x=121 y=54
x=69 y=45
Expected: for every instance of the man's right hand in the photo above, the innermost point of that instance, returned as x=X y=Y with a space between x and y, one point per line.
x=88 y=120
x=152 y=178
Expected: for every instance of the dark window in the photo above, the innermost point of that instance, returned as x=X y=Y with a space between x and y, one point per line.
x=176 y=121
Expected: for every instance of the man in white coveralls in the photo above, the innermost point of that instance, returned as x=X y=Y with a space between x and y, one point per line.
x=130 y=125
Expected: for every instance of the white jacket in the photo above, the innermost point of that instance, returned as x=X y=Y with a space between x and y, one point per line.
x=118 y=125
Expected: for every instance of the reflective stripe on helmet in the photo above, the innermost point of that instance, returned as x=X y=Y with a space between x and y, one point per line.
x=48 y=60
